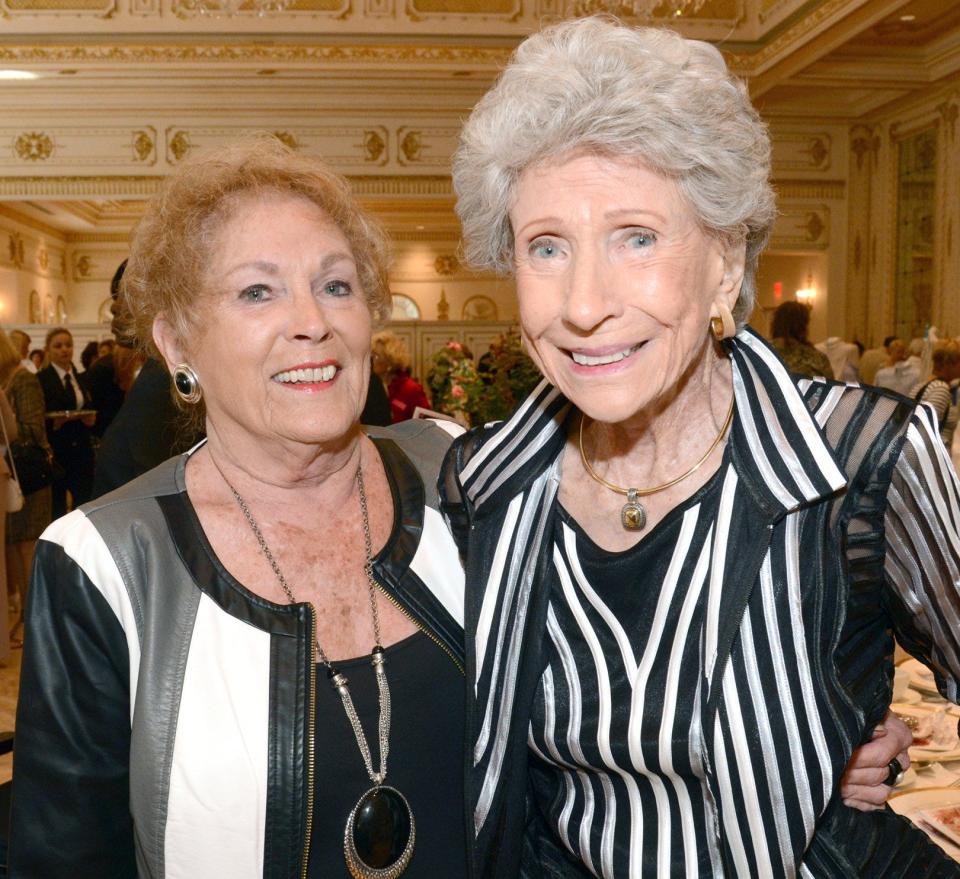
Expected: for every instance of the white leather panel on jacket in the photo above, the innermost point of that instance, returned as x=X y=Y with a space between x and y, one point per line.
x=437 y=563
x=218 y=783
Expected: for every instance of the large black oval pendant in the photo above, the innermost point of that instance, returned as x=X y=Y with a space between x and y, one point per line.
x=380 y=833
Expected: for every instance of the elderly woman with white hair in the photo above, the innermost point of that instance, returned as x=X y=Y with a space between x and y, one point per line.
x=685 y=566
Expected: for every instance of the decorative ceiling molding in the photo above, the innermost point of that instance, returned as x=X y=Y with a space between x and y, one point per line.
x=812 y=37
x=253 y=55
x=30 y=222
x=128 y=186
x=121 y=238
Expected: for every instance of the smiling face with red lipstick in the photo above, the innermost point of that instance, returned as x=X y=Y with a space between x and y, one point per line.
x=282 y=348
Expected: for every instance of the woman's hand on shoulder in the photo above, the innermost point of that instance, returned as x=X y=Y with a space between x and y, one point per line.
x=863 y=785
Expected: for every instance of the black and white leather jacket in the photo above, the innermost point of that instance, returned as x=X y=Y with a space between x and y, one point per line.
x=166 y=712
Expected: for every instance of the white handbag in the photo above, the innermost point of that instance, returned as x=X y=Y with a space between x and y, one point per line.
x=12 y=493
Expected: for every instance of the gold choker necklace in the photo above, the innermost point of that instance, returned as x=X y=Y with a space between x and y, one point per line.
x=633 y=516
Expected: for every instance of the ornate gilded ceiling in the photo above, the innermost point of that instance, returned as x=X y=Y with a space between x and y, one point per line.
x=127 y=88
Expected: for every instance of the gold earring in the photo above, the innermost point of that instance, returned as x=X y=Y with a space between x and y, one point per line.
x=722 y=325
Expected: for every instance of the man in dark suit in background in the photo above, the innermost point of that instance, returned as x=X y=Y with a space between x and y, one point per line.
x=148 y=428
x=69 y=435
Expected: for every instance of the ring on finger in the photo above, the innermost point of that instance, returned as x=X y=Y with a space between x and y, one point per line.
x=894 y=773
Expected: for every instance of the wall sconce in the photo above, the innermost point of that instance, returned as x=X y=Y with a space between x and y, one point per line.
x=807 y=294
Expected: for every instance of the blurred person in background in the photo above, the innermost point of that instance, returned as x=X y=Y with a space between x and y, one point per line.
x=874 y=359
x=112 y=375
x=905 y=368
x=376 y=410
x=937 y=389
x=844 y=358
x=22 y=389
x=391 y=362
x=9 y=358
x=21 y=342
x=788 y=330
x=90 y=353
x=37 y=358
x=69 y=435
x=148 y=427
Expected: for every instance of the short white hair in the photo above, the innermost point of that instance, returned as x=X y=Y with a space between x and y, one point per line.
x=595 y=85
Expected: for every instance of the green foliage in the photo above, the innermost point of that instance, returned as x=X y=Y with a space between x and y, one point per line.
x=490 y=392
x=455 y=386
x=509 y=376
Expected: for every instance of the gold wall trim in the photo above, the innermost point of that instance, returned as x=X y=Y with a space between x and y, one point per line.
x=98 y=238
x=407 y=236
x=820 y=189
x=251 y=54
x=78 y=187
x=434 y=185
x=130 y=186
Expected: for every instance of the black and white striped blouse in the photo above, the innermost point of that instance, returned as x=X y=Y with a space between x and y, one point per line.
x=615 y=725
x=837 y=525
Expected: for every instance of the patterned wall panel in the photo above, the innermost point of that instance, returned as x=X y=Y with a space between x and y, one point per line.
x=802 y=151
x=427 y=148
x=419 y=10
x=97 y=8
x=34 y=149
x=802 y=227
x=349 y=148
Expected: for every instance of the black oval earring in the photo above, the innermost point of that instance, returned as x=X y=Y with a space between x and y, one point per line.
x=187 y=384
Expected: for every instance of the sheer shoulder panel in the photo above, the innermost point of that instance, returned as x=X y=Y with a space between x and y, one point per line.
x=922 y=563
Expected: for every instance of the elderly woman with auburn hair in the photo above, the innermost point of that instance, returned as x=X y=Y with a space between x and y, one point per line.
x=685 y=566
x=221 y=655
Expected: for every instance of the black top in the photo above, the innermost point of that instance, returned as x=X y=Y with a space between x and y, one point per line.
x=377 y=408
x=425 y=762
x=106 y=396
x=618 y=772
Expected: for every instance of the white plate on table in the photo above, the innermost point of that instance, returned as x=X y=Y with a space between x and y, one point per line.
x=911 y=803
x=927 y=755
x=921 y=678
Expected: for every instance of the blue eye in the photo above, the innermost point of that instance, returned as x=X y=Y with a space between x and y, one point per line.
x=543 y=248
x=255 y=293
x=641 y=239
x=337 y=288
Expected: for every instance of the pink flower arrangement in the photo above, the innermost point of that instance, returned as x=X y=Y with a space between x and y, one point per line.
x=457 y=391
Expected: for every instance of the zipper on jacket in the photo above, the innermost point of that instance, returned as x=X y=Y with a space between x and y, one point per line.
x=416 y=622
x=311 y=738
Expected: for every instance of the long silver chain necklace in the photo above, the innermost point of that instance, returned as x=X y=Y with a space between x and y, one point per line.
x=380 y=833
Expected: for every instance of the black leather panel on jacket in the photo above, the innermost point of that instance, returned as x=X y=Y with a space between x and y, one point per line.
x=289 y=748
x=392 y=564
x=73 y=732
x=214 y=580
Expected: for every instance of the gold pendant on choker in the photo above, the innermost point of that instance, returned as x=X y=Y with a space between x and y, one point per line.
x=633 y=516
